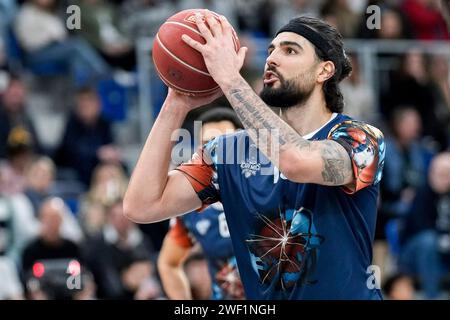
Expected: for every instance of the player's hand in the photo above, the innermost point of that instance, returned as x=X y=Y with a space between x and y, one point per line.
x=219 y=52
x=181 y=100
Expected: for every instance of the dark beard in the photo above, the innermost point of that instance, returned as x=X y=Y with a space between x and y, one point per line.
x=287 y=95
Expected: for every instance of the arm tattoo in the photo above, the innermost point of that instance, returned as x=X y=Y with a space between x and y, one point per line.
x=255 y=116
x=263 y=126
x=336 y=163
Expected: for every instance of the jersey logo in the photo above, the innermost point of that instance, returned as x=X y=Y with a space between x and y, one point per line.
x=250 y=168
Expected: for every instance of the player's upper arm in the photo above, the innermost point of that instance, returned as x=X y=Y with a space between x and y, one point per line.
x=351 y=157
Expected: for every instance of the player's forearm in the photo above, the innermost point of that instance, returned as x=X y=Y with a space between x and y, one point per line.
x=149 y=177
x=175 y=283
x=324 y=162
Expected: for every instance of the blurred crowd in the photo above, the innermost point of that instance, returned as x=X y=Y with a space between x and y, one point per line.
x=63 y=170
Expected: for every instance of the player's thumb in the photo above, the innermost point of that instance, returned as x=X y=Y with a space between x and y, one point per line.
x=241 y=55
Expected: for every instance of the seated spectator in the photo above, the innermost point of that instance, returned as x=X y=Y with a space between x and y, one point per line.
x=49 y=244
x=399 y=287
x=425 y=239
x=338 y=14
x=39 y=180
x=18 y=155
x=13 y=114
x=40 y=176
x=44 y=37
x=426 y=19
x=87 y=138
x=108 y=184
x=100 y=28
x=358 y=96
x=411 y=85
x=119 y=257
x=440 y=83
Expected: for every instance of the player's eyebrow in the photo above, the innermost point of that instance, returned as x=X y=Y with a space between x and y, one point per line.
x=286 y=43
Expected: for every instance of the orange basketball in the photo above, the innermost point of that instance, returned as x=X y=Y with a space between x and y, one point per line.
x=178 y=65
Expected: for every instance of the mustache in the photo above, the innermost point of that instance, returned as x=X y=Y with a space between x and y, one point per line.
x=274 y=70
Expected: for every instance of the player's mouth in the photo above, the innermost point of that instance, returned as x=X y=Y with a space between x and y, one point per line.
x=270 y=77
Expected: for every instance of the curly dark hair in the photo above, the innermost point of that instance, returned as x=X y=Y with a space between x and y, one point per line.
x=333 y=95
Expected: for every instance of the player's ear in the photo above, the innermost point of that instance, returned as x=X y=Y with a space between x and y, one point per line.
x=326 y=71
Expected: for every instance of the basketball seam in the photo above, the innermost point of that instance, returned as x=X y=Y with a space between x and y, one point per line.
x=183 y=25
x=179 y=60
x=167 y=82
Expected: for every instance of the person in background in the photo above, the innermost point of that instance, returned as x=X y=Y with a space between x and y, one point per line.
x=359 y=96
x=87 y=139
x=44 y=38
x=49 y=245
x=19 y=153
x=120 y=258
x=108 y=184
x=13 y=114
x=425 y=237
x=399 y=287
x=101 y=29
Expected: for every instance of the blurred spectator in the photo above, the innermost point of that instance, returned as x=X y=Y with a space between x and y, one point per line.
x=440 y=83
x=358 y=96
x=109 y=183
x=40 y=176
x=393 y=24
x=405 y=171
x=119 y=257
x=406 y=164
x=18 y=155
x=39 y=180
x=399 y=287
x=142 y=18
x=284 y=10
x=338 y=14
x=49 y=245
x=13 y=114
x=255 y=16
x=426 y=19
x=425 y=250
x=10 y=286
x=43 y=35
x=87 y=139
x=100 y=23
x=196 y=269
x=410 y=85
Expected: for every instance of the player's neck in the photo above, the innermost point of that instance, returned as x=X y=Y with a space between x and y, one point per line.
x=309 y=116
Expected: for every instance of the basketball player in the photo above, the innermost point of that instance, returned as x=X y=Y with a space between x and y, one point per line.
x=301 y=209
x=209 y=229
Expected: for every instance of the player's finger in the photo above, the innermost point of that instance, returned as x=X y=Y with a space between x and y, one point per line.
x=192 y=43
x=226 y=26
x=214 y=25
x=241 y=55
x=202 y=27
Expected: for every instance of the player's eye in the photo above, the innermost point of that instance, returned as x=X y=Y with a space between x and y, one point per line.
x=290 y=51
